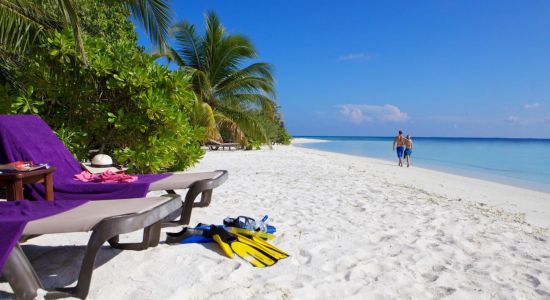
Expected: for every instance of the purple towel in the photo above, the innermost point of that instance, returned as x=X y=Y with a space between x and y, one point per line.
x=15 y=215
x=28 y=137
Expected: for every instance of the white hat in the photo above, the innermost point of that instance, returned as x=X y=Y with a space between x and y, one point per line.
x=100 y=163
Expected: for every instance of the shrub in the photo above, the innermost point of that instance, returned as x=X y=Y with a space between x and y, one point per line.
x=123 y=103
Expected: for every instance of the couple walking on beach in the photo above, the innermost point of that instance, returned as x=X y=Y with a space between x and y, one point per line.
x=404 y=146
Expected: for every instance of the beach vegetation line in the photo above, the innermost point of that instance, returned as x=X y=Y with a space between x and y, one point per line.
x=100 y=90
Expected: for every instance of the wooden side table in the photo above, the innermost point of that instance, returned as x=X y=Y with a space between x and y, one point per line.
x=14 y=182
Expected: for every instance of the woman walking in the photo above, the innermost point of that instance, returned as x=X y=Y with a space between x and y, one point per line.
x=408 y=149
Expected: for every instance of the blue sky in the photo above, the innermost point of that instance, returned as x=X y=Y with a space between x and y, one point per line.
x=369 y=68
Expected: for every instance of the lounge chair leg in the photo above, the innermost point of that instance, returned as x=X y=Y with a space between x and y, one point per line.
x=186 y=210
x=189 y=202
x=86 y=270
x=20 y=274
x=206 y=197
x=151 y=238
x=203 y=187
x=151 y=235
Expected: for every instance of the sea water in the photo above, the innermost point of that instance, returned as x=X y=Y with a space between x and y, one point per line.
x=520 y=162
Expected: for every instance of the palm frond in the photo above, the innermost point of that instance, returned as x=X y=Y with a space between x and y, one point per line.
x=154 y=16
x=202 y=115
x=21 y=22
x=251 y=101
x=68 y=8
x=250 y=124
x=170 y=54
x=202 y=87
x=189 y=45
x=229 y=54
x=9 y=62
x=256 y=76
x=230 y=125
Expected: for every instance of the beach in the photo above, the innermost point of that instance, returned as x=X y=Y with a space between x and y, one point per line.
x=355 y=227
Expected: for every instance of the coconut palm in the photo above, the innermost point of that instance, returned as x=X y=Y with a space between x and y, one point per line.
x=239 y=96
x=21 y=21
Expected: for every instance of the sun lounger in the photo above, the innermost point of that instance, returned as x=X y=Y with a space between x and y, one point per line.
x=107 y=220
x=29 y=138
x=197 y=183
x=215 y=145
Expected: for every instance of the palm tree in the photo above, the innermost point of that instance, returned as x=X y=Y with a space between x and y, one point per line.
x=22 y=21
x=239 y=97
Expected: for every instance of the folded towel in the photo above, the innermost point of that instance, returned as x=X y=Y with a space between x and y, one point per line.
x=106 y=177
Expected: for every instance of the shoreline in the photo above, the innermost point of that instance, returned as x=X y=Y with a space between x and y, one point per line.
x=536 y=206
x=501 y=179
x=320 y=137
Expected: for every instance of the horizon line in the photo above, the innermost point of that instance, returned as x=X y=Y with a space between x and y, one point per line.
x=422 y=137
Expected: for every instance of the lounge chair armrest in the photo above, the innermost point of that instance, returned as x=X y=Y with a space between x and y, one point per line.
x=204 y=187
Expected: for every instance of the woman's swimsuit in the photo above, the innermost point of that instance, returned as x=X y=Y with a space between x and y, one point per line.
x=408 y=150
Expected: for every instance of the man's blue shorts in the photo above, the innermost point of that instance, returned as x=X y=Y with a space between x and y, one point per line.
x=408 y=152
x=400 y=151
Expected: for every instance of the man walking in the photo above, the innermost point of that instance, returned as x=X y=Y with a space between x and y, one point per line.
x=399 y=145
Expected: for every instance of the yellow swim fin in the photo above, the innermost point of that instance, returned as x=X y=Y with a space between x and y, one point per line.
x=246 y=232
x=266 y=247
x=256 y=255
x=253 y=255
x=226 y=248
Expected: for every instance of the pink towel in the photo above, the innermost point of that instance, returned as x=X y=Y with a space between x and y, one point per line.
x=105 y=177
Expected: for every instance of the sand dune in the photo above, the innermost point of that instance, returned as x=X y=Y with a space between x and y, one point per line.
x=356 y=228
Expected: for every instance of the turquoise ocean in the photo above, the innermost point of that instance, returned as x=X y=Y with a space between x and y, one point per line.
x=519 y=162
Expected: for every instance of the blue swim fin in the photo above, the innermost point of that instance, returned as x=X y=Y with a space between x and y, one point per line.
x=190 y=235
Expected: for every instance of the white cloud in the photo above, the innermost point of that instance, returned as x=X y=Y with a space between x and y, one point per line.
x=514 y=120
x=361 y=113
x=531 y=105
x=361 y=56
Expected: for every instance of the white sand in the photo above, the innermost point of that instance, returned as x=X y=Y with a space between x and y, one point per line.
x=356 y=228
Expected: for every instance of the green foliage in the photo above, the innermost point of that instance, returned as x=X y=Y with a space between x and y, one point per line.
x=112 y=24
x=253 y=145
x=282 y=137
x=74 y=140
x=24 y=103
x=5 y=98
x=123 y=103
x=24 y=21
x=241 y=96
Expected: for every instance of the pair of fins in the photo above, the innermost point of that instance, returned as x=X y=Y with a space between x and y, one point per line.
x=251 y=248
